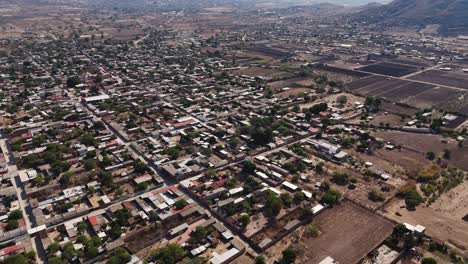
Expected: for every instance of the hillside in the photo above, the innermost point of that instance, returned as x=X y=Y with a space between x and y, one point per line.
x=451 y=15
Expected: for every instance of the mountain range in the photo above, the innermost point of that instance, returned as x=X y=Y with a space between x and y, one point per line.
x=450 y=15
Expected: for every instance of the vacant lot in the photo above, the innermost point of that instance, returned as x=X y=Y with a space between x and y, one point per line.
x=421 y=144
x=349 y=232
x=442 y=219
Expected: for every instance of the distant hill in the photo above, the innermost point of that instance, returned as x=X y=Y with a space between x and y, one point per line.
x=451 y=15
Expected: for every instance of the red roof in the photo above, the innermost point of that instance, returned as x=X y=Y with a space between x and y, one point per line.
x=26 y=136
x=10 y=249
x=93 y=220
x=182 y=124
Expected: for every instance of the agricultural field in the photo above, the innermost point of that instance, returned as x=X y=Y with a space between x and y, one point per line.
x=452 y=79
x=423 y=143
x=390 y=69
x=348 y=233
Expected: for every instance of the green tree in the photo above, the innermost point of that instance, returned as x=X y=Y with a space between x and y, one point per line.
x=89 y=164
x=260 y=259
x=180 y=204
x=341 y=100
x=73 y=81
x=12 y=224
x=289 y=256
x=248 y=166
x=120 y=256
x=16 y=259
x=273 y=203
x=169 y=254
x=428 y=260
x=15 y=214
x=331 y=197
x=55 y=260
x=413 y=199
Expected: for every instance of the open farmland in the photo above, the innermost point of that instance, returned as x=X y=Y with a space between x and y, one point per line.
x=459 y=80
x=414 y=93
x=424 y=143
x=390 y=69
x=349 y=232
x=364 y=82
x=432 y=97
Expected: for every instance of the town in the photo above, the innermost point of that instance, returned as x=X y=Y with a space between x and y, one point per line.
x=215 y=134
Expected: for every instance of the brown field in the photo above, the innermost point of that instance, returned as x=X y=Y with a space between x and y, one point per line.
x=292 y=82
x=442 y=219
x=263 y=72
x=420 y=143
x=349 y=232
x=293 y=92
x=390 y=119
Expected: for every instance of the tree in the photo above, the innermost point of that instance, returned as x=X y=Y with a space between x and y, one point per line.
x=430 y=155
x=66 y=178
x=55 y=260
x=169 y=254
x=12 y=224
x=140 y=167
x=319 y=167
x=375 y=196
x=260 y=259
x=340 y=178
x=73 y=81
x=16 y=259
x=120 y=256
x=88 y=140
x=53 y=248
x=249 y=166
x=413 y=199
x=289 y=256
x=91 y=252
x=428 y=260
x=341 y=100
x=89 y=164
x=15 y=214
x=313 y=230
x=447 y=154
x=180 y=204
x=286 y=198
x=331 y=197
x=244 y=220
x=273 y=203
x=115 y=231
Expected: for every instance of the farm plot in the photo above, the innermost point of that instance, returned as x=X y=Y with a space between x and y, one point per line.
x=412 y=62
x=390 y=69
x=452 y=79
x=341 y=71
x=364 y=82
x=348 y=233
x=405 y=91
x=381 y=87
x=432 y=97
x=421 y=144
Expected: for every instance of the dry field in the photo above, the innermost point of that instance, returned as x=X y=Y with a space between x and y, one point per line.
x=349 y=232
x=420 y=143
x=442 y=219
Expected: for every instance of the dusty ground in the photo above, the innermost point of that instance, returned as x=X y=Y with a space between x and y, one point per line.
x=423 y=143
x=349 y=232
x=445 y=224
